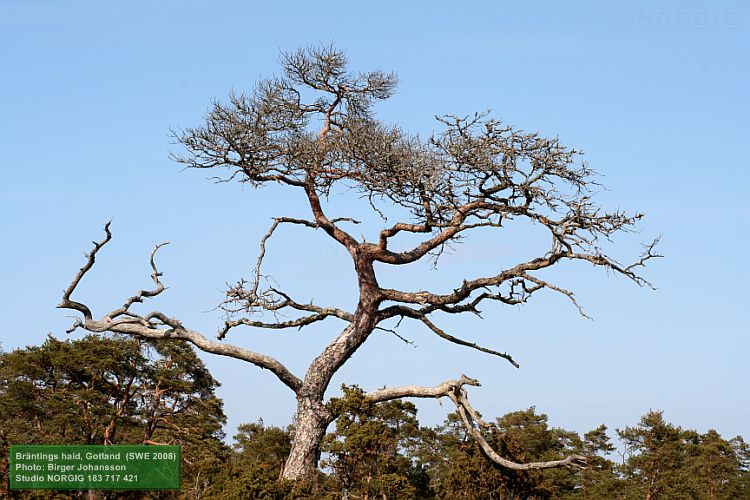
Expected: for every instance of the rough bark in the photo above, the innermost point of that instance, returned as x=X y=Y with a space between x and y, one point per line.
x=311 y=421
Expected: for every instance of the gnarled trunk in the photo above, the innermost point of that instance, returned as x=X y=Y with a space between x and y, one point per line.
x=312 y=417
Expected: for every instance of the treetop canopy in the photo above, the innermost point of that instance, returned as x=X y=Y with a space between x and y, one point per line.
x=314 y=126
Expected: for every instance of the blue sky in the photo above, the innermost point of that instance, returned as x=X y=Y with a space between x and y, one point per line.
x=655 y=94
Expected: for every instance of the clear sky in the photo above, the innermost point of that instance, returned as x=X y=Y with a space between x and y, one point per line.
x=655 y=93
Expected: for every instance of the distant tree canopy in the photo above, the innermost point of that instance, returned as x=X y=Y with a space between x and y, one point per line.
x=665 y=461
x=111 y=390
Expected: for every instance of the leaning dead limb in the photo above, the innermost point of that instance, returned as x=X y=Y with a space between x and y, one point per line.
x=455 y=391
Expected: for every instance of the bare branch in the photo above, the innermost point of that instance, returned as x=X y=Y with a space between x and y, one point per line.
x=345 y=219
x=628 y=271
x=269 y=233
x=149 y=327
x=295 y=323
x=415 y=314
x=67 y=302
x=436 y=301
x=273 y=300
x=396 y=228
x=454 y=302
x=545 y=284
x=288 y=220
x=326 y=224
x=440 y=333
x=397 y=335
x=450 y=230
x=648 y=254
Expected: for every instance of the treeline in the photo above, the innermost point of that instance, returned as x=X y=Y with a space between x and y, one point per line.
x=111 y=390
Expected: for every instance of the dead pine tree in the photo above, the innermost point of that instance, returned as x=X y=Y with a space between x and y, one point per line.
x=312 y=128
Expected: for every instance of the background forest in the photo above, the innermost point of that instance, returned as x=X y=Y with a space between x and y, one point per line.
x=112 y=390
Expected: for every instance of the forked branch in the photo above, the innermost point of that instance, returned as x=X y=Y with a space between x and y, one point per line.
x=143 y=294
x=157 y=325
x=252 y=299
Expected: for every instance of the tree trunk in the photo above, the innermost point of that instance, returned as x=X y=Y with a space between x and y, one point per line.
x=311 y=422
x=312 y=418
